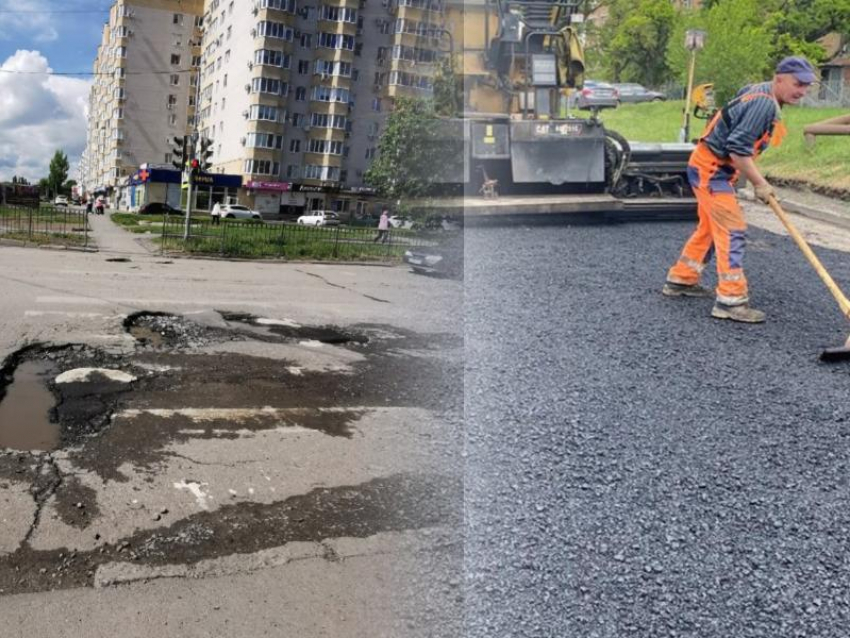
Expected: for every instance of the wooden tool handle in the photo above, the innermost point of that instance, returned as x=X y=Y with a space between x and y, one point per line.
x=843 y=303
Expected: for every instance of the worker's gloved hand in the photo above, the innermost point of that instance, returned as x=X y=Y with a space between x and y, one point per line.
x=764 y=192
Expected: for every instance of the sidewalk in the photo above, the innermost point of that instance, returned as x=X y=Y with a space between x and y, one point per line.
x=112 y=238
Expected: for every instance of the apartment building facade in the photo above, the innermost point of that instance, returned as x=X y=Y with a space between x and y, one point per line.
x=294 y=94
x=144 y=89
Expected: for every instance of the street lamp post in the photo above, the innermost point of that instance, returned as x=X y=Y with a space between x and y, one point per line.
x=694 y=41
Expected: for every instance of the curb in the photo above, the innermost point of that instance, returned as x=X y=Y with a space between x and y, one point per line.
x=18 y=243
x=791 y=206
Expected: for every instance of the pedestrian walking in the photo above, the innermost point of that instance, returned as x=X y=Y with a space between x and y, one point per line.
x=99 y=205
x=88 y=206
x=740 y=132
x=383 y=226
x=215 y=214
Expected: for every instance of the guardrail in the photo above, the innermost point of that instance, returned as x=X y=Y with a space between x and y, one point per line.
x=281 y=240
x=53 y=225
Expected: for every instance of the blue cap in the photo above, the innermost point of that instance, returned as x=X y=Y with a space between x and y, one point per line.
x=799 y=67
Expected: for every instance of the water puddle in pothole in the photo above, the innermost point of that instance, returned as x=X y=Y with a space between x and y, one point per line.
x=25 y=410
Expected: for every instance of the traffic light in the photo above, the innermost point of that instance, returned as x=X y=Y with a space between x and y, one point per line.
x=181 y=156
x=204 y=153
x=194 y=166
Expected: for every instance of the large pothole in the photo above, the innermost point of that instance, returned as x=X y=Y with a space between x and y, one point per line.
x=26 y=404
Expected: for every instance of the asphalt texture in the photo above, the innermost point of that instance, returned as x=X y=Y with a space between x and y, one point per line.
x=637 y=468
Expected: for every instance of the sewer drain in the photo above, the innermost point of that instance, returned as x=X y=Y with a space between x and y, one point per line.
x=25 y=410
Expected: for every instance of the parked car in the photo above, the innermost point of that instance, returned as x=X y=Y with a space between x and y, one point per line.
x=445 y=260
x=597 y=95
x=400 y=221
x=319 y=218
x=159 y=208
x=238 y=211
x=60 y=200
x=631 y=92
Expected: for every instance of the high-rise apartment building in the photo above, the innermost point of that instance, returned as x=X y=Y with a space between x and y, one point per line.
x=144 y=88
x=294 y=94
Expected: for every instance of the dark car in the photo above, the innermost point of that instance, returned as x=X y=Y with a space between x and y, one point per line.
x=159 y=208
x=444 y=260
x=597 y=95
x=631 y=92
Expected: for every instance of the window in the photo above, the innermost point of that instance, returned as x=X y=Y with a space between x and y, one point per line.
x=280 y=5
x=261 y=167
x=227 y=56
x=224 y=83
x=337 y=14
x=279 y=30
x=264 y=140
x=121 y=52
x=336 y=41
x=306 y=40
x=270 y=57
x=172 y=120
x=199 y=22
x=329 y=68
x=175 y=59
x=264 y=112
x=229 y=32
x=370 y=153
x=297 y=119
x=303 y=67
x=300 y=94
x=172 y=101
x=330 y=94
x=295 y=146
x=376 y=104
x=118 y=113
x=178 y=19
x=293 y=171
x=327 y=173
x=326 y=120
x=168 y=158
x=175 y=79
x=326 y=147
x=269 y=85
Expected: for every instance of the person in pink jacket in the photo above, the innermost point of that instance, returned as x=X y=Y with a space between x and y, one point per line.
x=383 y=226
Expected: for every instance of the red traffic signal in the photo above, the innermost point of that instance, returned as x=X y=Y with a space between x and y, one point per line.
x=194 y=163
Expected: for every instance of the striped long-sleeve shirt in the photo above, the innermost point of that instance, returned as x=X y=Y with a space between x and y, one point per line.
x=746 y=122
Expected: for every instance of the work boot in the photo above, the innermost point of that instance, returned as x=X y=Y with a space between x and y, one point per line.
x=741 y=312
x=671 y=289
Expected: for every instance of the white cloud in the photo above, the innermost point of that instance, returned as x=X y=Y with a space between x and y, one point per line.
x=38 y=115
x=31 y=18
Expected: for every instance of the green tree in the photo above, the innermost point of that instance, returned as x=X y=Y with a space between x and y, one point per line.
x=634 y=40
x=737 y=50
x=448 y=88
x=408 y=152
x=796 y=25
x=59 y=168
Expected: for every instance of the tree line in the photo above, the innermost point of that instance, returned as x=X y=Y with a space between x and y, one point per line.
x=56 y=182
x=643 y=40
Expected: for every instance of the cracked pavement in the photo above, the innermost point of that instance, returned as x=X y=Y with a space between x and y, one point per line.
x=254 y=455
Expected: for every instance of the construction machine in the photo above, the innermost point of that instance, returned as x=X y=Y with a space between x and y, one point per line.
x=522 y=65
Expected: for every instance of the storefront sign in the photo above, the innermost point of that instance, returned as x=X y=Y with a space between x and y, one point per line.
x=304 y=188
x=280 y=187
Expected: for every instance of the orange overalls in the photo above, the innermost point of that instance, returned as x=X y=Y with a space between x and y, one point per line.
x=721 y=228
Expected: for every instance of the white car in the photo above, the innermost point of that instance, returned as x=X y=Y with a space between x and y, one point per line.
x=398 y=221
x=319 y=218
x=237 y=211
x=60 y=200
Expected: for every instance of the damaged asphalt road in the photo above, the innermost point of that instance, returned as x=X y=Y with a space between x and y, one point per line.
x=187 y=383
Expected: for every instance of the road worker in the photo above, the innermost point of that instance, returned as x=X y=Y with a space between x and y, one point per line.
x=731 y=142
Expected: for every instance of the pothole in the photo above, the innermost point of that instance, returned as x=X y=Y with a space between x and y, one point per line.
x=291 y=330
x=162 y=330
x=121 y=260
x=25 y=408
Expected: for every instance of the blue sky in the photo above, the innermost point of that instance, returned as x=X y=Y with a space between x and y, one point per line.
x=40 y=113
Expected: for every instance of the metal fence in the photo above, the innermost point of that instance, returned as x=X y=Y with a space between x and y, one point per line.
x=828 y=94
x=288 y=241
x=46 y=225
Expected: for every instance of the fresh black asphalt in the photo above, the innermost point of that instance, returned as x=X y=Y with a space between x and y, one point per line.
x=636 y=468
